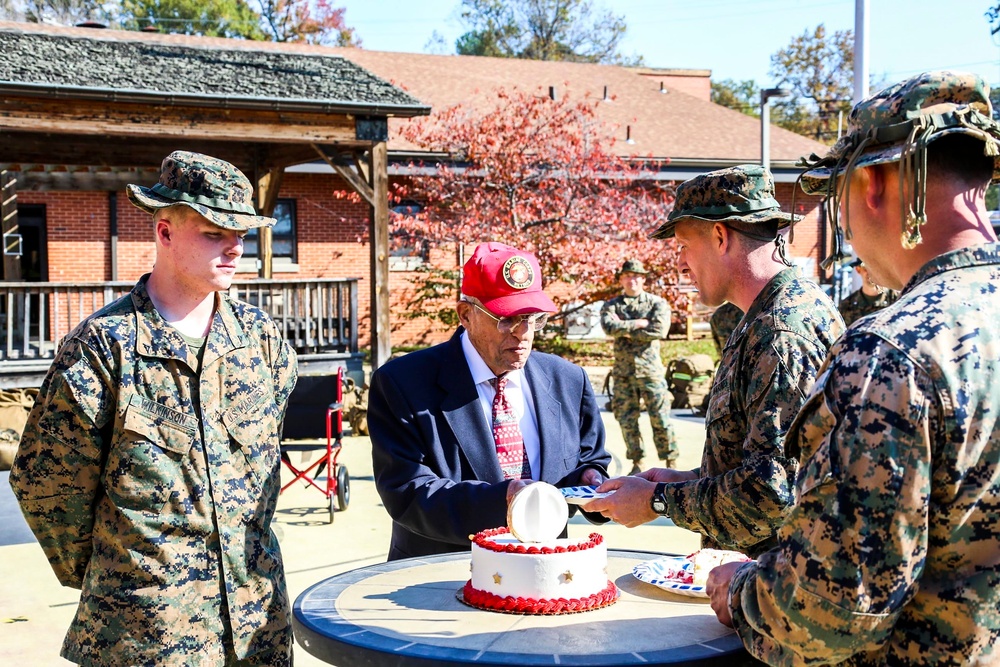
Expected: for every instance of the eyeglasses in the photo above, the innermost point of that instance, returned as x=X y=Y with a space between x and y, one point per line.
x=536 y=321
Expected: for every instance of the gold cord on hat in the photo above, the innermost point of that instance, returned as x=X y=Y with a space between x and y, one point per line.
x=913 y=174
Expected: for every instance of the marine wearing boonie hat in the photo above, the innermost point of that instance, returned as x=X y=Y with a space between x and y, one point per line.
x=896 y=125
x=744 y=193
x=212 y=187
x=505 y=280
x=633 y=266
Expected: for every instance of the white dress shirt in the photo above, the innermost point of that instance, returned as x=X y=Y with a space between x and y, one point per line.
x=518 y=395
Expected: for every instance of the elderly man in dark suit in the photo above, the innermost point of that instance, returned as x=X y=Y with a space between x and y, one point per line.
x=460 y=427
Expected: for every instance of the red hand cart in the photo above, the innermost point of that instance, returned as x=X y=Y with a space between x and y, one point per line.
x=337 y=483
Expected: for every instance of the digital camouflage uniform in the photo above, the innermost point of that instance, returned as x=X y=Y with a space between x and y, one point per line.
x=891 y=553
x=768 y=365
x=151 y=485
x=767 y=368
x=638 y=372
x=723 y=321
x=859 y=304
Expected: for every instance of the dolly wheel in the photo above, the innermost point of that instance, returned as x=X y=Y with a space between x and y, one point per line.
x=343 y=488
x=331 y=509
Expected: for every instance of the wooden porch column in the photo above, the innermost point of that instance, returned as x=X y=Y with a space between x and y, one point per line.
x=378 y=174
x=268 y=186
x=8 y=224
x=370 y=179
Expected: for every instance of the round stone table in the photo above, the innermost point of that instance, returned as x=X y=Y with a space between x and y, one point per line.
x=408 y=613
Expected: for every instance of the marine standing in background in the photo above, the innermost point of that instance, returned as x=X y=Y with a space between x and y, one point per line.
x=891 y=553
x=149 y=466
x=867 y=299
x=723 y=321
x=727 y=224
x=638 y=321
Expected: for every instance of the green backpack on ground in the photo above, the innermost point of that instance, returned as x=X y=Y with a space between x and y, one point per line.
x=15 y=404
x=690 y=381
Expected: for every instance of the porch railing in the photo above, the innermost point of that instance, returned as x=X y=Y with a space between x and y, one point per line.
x=315 y=316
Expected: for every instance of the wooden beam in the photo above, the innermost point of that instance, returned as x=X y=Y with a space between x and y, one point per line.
x=8 y=225
x=138 y=120
x=268 y=186
x=353 y=178
x=379 y=234
x=28 y=148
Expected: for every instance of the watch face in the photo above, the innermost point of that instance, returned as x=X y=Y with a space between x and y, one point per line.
x=658 y=503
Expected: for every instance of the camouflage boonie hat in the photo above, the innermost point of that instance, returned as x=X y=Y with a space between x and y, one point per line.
x=897 y=124
x=906 y=117
x=744 y=193
x=212 y=187
x=633 y=266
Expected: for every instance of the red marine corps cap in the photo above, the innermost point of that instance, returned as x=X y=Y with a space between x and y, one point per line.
x=507 y=281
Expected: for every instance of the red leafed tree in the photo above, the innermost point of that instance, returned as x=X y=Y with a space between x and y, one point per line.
x=542 y=175
x=310 y=21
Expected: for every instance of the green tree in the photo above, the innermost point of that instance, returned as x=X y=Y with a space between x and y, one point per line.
x=743 y=96
x=211 y=18
x=819 y=69
x=542 y=30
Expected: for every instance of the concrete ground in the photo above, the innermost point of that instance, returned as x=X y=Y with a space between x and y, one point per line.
x=35 y=610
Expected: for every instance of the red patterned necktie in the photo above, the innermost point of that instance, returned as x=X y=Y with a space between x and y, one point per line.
x=507 y=434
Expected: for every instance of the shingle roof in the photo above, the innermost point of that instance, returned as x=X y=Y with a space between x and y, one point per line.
x=115 y=62
x=671 y=125
x=674 y=125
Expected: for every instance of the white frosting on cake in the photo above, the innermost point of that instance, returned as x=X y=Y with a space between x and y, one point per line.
x=570 y=574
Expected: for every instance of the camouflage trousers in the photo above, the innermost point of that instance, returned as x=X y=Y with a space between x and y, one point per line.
x=627 y=396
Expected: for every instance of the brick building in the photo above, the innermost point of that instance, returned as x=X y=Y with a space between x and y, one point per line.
x=86 y=230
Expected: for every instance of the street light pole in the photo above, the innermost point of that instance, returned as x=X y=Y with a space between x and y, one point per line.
x=765 y=121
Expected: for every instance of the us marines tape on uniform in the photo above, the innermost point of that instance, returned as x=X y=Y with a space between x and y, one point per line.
x=149 y=466
x=890 y=554
x=638 y=321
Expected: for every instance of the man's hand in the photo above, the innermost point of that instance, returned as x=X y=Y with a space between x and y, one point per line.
x=514 y=486
x=668 y=475
x=641 y=323
x=591 y=477
x=629 y=504
x=717 y=588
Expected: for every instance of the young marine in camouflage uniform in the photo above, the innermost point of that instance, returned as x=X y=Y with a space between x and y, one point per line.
x=638 y=320
x=867 y=299
x=891 y=553
x=149 y=467
x=723 y=321
x=727 y=226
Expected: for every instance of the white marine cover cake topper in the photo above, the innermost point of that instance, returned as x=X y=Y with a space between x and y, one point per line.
x=537 y=513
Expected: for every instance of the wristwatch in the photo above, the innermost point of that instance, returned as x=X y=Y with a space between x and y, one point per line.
x=659 y=501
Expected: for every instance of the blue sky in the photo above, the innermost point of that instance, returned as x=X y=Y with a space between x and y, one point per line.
x=733 y=38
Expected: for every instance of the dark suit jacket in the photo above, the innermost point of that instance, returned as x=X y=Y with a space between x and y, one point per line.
x=434 y=458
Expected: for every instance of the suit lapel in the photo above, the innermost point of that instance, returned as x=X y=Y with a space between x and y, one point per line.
x=548 y=409
x=464 y=414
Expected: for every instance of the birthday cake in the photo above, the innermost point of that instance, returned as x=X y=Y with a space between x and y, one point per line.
x=525 y=568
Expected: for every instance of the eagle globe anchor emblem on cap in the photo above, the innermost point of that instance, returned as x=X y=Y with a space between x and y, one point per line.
x=518 y=273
